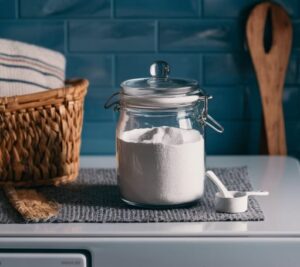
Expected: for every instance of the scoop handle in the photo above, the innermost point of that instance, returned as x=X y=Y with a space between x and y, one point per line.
x=257 y=193
x=215 y=179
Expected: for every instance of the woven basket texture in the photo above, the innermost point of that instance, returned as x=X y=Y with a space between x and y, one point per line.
x=40 y=136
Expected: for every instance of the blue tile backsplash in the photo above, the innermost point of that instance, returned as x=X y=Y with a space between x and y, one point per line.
x=227 y=69
x=111 y=35
x=65 y=9
x=198 y=35
x=94 y=67
x=7 y=9
x=157 y=8
x=48 y=33
x=108 y=41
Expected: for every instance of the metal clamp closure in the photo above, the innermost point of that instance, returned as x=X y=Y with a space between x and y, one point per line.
x=204 y=118
x=110 y=103
x=208 y=120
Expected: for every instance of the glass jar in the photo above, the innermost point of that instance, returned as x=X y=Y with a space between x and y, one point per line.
x=160 y=139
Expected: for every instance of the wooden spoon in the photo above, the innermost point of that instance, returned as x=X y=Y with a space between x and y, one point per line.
x=270 y=68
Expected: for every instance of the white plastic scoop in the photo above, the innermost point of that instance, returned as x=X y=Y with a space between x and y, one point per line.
x=231 y=201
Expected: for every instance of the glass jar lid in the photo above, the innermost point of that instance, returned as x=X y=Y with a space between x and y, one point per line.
x=160 y=84
x=160 y=92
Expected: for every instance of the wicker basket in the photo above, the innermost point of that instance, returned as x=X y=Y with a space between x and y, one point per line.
x=40 y=136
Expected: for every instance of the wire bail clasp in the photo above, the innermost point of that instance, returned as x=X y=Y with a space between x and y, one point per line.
x=208 y=120
x=110 y=103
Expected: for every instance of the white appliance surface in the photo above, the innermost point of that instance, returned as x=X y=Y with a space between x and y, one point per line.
x=273 y=242
x=42 y=259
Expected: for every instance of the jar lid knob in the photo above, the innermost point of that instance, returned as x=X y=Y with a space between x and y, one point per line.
x=159 y=69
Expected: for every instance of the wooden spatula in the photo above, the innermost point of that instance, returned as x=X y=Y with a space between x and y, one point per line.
x=270 y=68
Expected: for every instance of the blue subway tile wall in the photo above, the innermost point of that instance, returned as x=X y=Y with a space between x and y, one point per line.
x=221 y=106
x=198 y=35
x=227 y=69
x=8 y=9
x=157 y=8
x=108 y=41
x=39 y=32
x=224 y=8
x=97 y=68
x=111 y=35
x=65 y=9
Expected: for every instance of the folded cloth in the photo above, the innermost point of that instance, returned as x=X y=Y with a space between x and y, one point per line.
x=26 y=68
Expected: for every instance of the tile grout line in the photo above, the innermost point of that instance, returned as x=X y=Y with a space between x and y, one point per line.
x=149 y=52
x=113 y=71
x=202 y=72
x=137 y=19
x=66 y=37
x=17 y=9
x=200 y=8
x=112 y=9
x=156 y=36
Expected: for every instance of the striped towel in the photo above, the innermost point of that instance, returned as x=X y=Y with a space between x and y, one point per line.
x=26 y=68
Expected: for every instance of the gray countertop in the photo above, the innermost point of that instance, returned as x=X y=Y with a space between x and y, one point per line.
x=279 y=175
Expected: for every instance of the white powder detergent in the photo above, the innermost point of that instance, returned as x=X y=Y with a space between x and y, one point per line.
x=161 y=165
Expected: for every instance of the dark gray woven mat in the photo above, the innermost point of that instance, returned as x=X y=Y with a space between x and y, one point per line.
x=95 y=198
